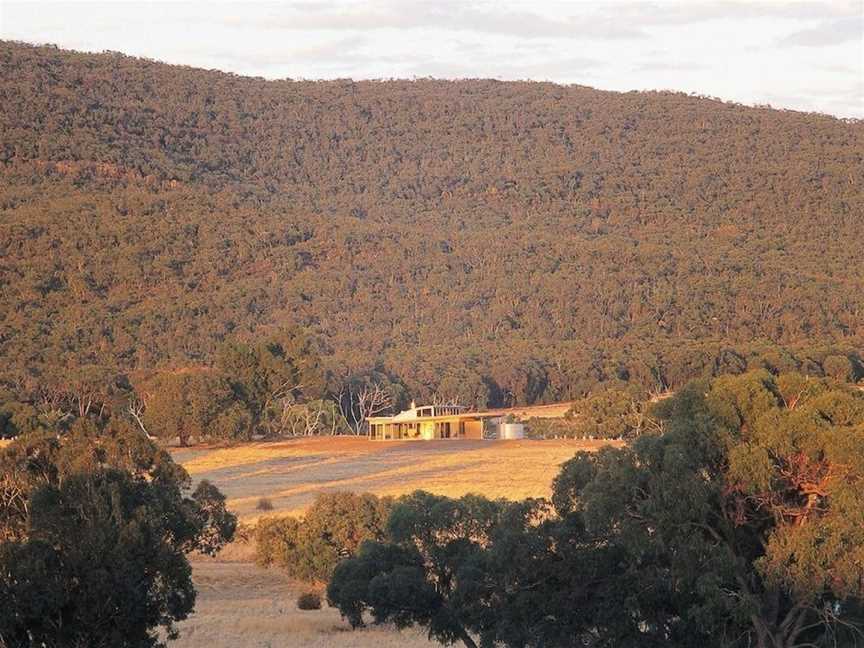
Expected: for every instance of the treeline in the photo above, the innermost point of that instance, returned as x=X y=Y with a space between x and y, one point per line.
x=512 y=242
x=740 y=525
x=272 y=389
x=280 y=387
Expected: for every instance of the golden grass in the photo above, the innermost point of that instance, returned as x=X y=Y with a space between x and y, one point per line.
x=291 y=473
x=244 y=605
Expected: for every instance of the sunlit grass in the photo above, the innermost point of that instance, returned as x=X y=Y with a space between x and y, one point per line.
x=292 y=473
x=241 y=604
x=244 y=605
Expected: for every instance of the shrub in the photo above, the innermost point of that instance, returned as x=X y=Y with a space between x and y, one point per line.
x=264 y=504
x=309 y=601
x=549 y=428
x=333 y=528
x=276 y=541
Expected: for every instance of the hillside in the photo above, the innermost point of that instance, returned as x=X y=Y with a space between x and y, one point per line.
x=513 y=242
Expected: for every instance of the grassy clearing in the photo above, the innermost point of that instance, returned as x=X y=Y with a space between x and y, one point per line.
x=244 y=605
x=290 y=474
x=240 y=604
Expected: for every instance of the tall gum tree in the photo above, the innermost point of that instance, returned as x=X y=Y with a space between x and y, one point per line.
x=744 y=521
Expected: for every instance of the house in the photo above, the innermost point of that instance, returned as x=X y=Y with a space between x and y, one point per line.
x=429 y=422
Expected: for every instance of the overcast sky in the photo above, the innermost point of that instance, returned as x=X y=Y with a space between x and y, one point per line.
x=802 y=55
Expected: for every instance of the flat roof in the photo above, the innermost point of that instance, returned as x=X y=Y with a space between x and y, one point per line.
x=442 y=417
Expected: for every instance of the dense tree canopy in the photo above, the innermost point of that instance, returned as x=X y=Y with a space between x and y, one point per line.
x=742 y=524
x=494 y=242
x=95 y=525
x=333 y=528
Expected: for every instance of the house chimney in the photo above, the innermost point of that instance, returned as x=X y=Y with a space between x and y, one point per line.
x=413 y=405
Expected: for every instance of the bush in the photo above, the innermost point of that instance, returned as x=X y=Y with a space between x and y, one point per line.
x=309 y=601
x=264 y=504
x=549 y=428
x=335 y=525
x=276 y=541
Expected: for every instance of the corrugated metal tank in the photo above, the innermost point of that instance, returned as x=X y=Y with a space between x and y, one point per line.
x=512 y=431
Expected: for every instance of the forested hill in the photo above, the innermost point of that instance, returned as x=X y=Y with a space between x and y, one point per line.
x=507 y=241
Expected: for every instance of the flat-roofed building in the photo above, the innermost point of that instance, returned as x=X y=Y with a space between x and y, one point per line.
x=429 y=422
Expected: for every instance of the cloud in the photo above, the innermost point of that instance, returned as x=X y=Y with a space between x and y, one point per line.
x=668 y=66
x=682 y=13
x=831 y=32
x=451 y=16
x=336 y=52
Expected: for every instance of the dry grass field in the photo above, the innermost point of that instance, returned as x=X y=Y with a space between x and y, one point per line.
x=244 y=606
x=291 y=473
x=240 y=604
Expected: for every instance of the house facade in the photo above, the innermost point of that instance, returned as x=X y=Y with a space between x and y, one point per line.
x=430 y=422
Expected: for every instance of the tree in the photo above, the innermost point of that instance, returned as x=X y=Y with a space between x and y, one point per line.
x=367 y=395
x=197 y=403
x=18 y=418
x=742 y=525
x=839 y=368
x=94 y=532
x=281 y=370
x=415 y=577
x=609 y=414
x=318 y=417
x=650 y=274
x=522 y=383
x=332 y=529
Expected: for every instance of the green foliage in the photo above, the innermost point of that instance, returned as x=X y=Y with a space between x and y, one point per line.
x=197 y=403
x=741 y=518
x=607 y=415
x=283 y=367
x=417 y=576
x=333 y=528
x=276 y=541
x=94 y=529
x=840 y=368
x=18 y=418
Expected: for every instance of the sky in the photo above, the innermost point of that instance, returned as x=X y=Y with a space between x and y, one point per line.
x=805 y=55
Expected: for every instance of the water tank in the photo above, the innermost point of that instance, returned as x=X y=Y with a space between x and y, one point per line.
x=512 y=431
